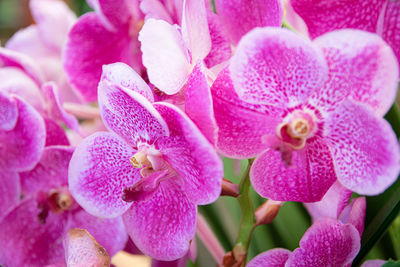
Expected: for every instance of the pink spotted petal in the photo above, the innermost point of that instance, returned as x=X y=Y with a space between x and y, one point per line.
x=365 y=149
x=27 y=241
x=391 y=26
x=354 y=214
x=362 y=67
x=8 y=112
x=91 y=45
x=164 y=55
x=99 y=171
x=110 y=233
x=163 y=226
x=195 y=30
x=51 y=172
x=277 y=67
x=10 y=191
x=240 y=125
x=122 y=75
x=55 y=134
x=305 y=177
x=191 y=155
x=373 y=263
x=327 y=242
x=54 y=19
x=325 y=16
x=15 y=59
x=156 y=10
x=220 y=45
x=332 y=204
x=241 y=16
x=129 y=114
x=54 y=106
x=276 y=257
x=82 y=249
x=23 y=145
x=198 y=103
x=15 y=81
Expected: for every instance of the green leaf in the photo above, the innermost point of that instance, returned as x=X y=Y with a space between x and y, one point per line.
x=392 y=264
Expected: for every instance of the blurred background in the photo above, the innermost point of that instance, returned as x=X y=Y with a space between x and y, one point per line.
x=224 y=215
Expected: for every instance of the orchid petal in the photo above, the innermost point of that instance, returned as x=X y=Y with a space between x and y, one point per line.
x=99 y=171
x=8 y=112
x=276 y=257
x=332 y=204
x=327 y=242
x=9 y=191
x=23 y=145
x=163 y=226
x=354 y=214
x=306 y=178
x=391 y=26
x=129 y=114
x=364 y=148
x=362 y=67
x=198 y=103
x=277 y=67
x=195 y=30
x=90 y=45
x=164 y=55
x=373 y=263
x=55 y=134
x=191 y=155
x=241 y=16
x=154 y=9
x=240 y=125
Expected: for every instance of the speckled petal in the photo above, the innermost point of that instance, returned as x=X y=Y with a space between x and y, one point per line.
x=99 y=171
x=362 y=67
x=122 y=75
x=391 y=26
x=163 y=226
x=198 y=103
x=327 y=242
x=241 y=16
x=325 y=15
x=110 y=233
x=308 y=177
x=364 y=148
x=276 y=257
x=332 y=204
x=23 y=145
x=277 y=67
x=191 y=155
x=28 y=242
x=240 y=125
x=91 y=45
x=164 y=55
x=129 y=114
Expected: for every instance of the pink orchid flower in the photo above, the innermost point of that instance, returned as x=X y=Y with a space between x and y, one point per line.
x=311 y=113
x=381 y=17
x=153 y=168
x=327 y=242
x=32 y=232
x=106 y=36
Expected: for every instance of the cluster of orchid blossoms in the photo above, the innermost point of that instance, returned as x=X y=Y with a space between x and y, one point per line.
x=115 y=123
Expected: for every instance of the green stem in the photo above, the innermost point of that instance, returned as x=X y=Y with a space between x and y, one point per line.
x=247 y=224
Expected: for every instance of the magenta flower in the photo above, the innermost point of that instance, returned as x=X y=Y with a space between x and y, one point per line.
x=310 y=112
x=106 y=36
x=327 y=242
x=381 y=17
x=153 y=168
x=32 y=232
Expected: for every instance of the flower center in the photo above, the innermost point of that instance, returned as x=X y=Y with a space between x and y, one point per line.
x=299 y=128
